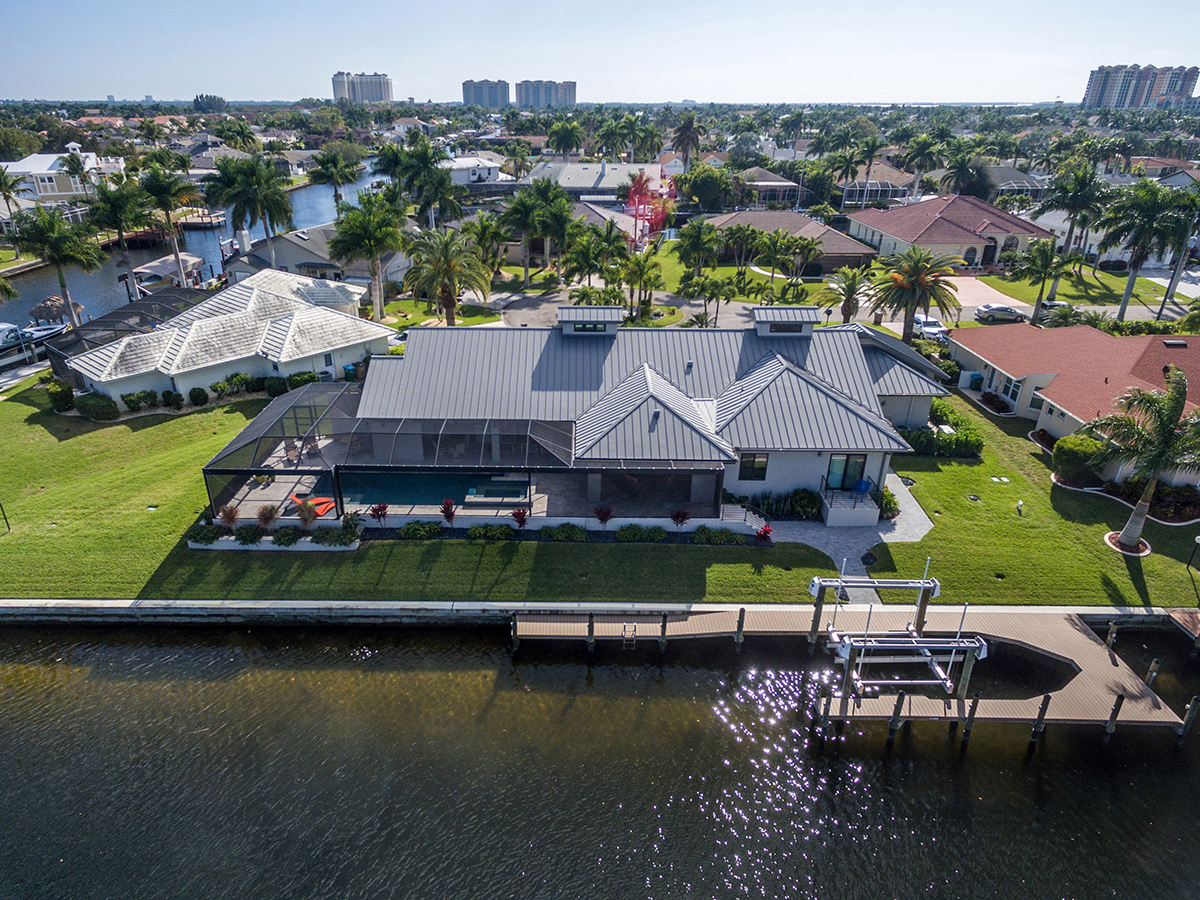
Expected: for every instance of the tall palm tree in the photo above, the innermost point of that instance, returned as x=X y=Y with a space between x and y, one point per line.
x=443 y=265
x=1039 y=264
x=10 y=190
x=368 y=232
x=46 y=234
x=1082 y=194
x=686 y=138
x=489 y=235
x=524 y=215
x=557 y=219
x=438 y=197
x=648 y=142
x=844 y=166
x=868 y=148
x=638 y=271
x=698 y=245
x=168 y=192
x=420 y=162
x=912 y=282
x=1153 y=434
x=849 y=289
x=775 y=250
x=123 y=208
x=389 y=162
x=804 y=250
x=253 y=190
x=962 y=170
x=74 y=165
x=566 y=137
x=330 y=167
x=923 y=155
x=585 y=258
x=516 y=160
x=1145 y=219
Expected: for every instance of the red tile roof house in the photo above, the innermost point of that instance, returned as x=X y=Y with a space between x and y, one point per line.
x=1062 y=378
x=965 y=227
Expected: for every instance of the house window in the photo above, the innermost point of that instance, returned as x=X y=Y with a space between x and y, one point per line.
x=583 y=327
x=46 y=184
x=329 y=359
x=1049 y=410
x=753 y=467
x=845 y=470
x=969 y=256
x=274 y=367
x=1036 y=401
x=786 y=327
x=1010 y=243
x=1011 y=389
x=1062 y=413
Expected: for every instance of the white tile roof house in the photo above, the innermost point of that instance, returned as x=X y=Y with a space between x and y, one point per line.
x=272 y=323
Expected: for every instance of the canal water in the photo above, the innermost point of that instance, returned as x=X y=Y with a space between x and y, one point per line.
x=354 y=763
x=100 y=292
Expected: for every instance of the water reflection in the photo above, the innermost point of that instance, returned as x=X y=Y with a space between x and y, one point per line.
x=353 y=763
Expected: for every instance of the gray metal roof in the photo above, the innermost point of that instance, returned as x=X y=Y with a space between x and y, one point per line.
x=892 y=378
x=786 y=313
x=893 y=346
x=591 y=314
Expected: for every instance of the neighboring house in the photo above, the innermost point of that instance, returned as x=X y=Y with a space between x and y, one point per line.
x=473 y=170
x=269 y=324
x=672 y=162
x=839 y=249
x=295 y=162
x=1085 y=240
x=204 y=159
x=1062 y=378
x=1159 y=166
x=594 y=182
x=1184 y=178
x=592 y=214
x=306 y=252
x=560 y=420
x=1003 y=181
x=768 y=187
x=398 y=131
x=966 y=227
x=887 y=183
x=43 y=175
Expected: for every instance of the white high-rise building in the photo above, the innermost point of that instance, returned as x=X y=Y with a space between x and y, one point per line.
x=543 y=94
x=362 y=88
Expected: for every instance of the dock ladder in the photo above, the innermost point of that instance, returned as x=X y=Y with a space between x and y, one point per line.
x=628 y=635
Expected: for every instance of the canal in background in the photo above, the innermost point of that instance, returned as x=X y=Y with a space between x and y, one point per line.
x=224 y=763
x=100 y=292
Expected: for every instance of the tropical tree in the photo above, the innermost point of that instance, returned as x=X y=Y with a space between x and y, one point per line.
x=849 y=289
x=524 y=215
x=844 y=166
x=7 y=291
x=489 y=235
x=1064 y=316
x=438 y=197
x=389 y=162
x=912 y=282
x=775 y=250
x=10 y=190
x=1145 y=219
x=253 y=190
x=868 y=148
x=804 y=250
x=923 y=154
x=1037 y=265
x=1152 y=433
x=368 y=232
x=168 y=192
x=698 y=245
x=1082 y=194
x=686 y=137
x=517 y=162
x=330 y=167
x=565 y=137
x=585 y=258
x=444 y=264
x=638 y=271
x=74 y=165
x=123 y=208
x=709 y=289
x=46 y=234
x=556 y=220
x=963 y=171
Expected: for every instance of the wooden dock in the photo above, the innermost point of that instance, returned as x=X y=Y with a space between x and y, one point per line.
x=1187 y=619
x=1087 y=698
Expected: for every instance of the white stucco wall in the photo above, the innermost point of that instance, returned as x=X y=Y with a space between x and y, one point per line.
x=791 y=469
x=906 y=411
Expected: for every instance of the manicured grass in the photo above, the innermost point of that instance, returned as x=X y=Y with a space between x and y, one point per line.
x=8 y=258
x=1052 y=552
x=415 y=313
x=77 y=495
x=1101 y=289
x=539 y=280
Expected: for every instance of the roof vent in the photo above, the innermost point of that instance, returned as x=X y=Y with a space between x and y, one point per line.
x=1175 y=343
x=303 y=235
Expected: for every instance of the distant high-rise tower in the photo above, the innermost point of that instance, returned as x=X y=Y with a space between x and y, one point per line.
x=1139 y=87
x=543 y=94
x=488 y=94
x=362 y=88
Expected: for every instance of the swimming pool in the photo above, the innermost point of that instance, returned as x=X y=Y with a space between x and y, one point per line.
x=424 y=489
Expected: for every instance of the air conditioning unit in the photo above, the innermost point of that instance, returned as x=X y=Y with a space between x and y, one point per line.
x=325 y=375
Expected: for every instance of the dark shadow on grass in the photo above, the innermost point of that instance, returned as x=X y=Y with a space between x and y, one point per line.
x=1133 y=564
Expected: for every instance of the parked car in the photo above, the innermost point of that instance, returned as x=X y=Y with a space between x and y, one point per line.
x=994 y=312
x=928 y=327
x=1054 y=304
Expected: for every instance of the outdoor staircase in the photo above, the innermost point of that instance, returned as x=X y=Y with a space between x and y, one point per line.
x=628 y=635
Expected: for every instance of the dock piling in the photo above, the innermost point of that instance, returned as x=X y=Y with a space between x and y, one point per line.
x=964 y=677
x=970 y=723
x=1111 y=725
x=739 y=637
x=591 y=638
x=894 y=723
x=922 y=608
x=1112 y=634
x=1151 y=673
x=662 y=637
x=1189 y=719
x=1039 y=725
x=516 y=642
x=814 y=630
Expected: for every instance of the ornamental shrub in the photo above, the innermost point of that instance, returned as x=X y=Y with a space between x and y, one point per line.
x=286 y=536
x=628 y=534
x=62 y=395
x=198 y=396
x=951 y=367
x=220 y=388
x=490 y=532
x=419 y=531
x=1073 y=458
x=801 y=503
x=300 y=379
x=248 y=535
x=98 y=407
x=237 y=382
x=275 y=386
x=133 y=402
x=256 y=384
x=568 y=532
x=327 y=536
x=889 y=506
x=173 y=399
x=719 y=536
x=202 y=533
x=150 y=398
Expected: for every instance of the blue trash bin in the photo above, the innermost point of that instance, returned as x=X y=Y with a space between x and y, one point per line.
x=349 y=370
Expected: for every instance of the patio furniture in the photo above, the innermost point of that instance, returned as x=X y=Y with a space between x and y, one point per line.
x=321 y=504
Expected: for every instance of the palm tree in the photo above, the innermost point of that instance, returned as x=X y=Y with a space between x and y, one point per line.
x=1064 y=317
x=168 y=192
x=253 y=190
x=686 y=138
x=844 y=166
x=639 y=270
x=368 y=232
x=443 y=265
x=698 y=245
x=439 y=197
x=73 y=164
x=962 y=170
x=912 y=282
x=419 y=162
x=1145 y=219
x=850 y=289
x=1039 y=264
x=330 y=167
x=389 y=162
x=1153 y=434
x=804 y=250
x=585 y=258
x=775 y=250
x=648 y=142
x=7 y=291
x=123 y=208
x=46 y=234
x=1082 y=194
x=524 y=215
x=566 y=137
x=556 y=221
x=517 y=162
x=489 y=235
x=10 y=190
x=868 y=148
x=924 y=154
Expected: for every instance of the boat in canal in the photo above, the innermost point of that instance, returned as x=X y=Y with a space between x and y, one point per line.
x=163 y=273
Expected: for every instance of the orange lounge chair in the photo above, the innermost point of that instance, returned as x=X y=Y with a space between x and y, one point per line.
x=321 y=504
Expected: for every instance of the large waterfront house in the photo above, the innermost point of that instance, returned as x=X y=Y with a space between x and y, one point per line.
x=964 y=227
x=306 y=252
x=560 y=420
x=44 y=176
x=1062 y=378
x=270 y=324
x=836 y=248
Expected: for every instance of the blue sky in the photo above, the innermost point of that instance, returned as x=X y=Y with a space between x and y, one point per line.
x=706 y=50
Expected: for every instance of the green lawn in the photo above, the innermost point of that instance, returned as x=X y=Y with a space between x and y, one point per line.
x=539 y=280
x=414 y=313
x=1050 y=553
x=8 y=258
x=78 y=497
x=1101 y=289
